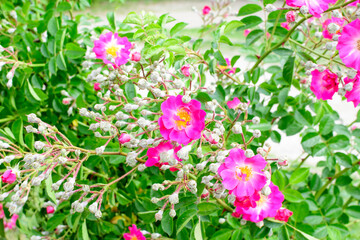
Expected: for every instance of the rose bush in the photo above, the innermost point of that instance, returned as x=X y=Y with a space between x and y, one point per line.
x=134 y=129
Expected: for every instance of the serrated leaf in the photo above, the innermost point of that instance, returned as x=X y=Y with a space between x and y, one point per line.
x=178 y=27
x=288 y=71
x=299 y=175
x=184 y=219
x=233 y=25
x=249 y=9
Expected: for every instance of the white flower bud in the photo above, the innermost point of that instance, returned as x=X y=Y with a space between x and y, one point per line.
x=243 y=221
x=100 y=150
x=183 y=153
x=257 y=133
x=222 y=220
x=93 y=207
x=304 y=10
x=270 y=8
x=172 y=213
x=159 y=215
x=98 y=214
x=333 y=28
x=155 y=235
x=349 y=86
x=260 y=224
x=256 y=120
x=237 y=129
x=249 y=153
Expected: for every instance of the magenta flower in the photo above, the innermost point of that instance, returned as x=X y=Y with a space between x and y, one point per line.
x=349 y=45
x=50 y=209
x=266 y=206
x=246 y=32
x=290 y=16
x=285 y=25
x=124 y=138
x=113 y=45
x=136 y=57
x=181 y=122
x=354 y=94
x=354 y=3
x=324 y=84
x=97 y=87
x=135 y=234
x=242 y=176
x=185 y=70
x=316 y=7
x=154 y=155
x=206 y=10
x=2 y=214
x=283 y=214
x=12 y=223
x=338 y=21
x=8 y=177
x=234 y=103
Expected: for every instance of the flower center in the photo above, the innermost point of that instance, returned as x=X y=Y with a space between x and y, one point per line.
x=112 y=50
x=261 y=201
x=133 y=238
x=358 y=45
x=183 y=118
x=243 y=173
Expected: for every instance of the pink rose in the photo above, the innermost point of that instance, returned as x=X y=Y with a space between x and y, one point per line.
x=324 y=84
x=290 y=16
x=283 y=214
x=206 y=10
x=185 y=70
x=8 y=177
x=50 y=209
x=97 y=87
x=136 y=56
x=234 y=103
x=124 y=138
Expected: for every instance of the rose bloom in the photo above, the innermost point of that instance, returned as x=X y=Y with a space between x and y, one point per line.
x=155 y=154
x=136 y=57
x=266 y=206
x=8 y=177
x=242 y=176
x=12 y=223
x=338 y=21
x=124 y=138
x=181 y=122
x=2 y=214
x=185 y=70
x=324 y=84
x=283 y=214
x=97 y=87
x=246 y=32
x=113 y=45
x=135 y=234
x=285 y=25
x=234 y=103
x=349 y=45
x=316 y=7
x=50 y=209
x=206 y=10
x=354 y=94
x=290 y=16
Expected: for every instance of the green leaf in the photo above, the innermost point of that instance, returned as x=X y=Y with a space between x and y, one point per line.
x=63 y=6
x=254 y=36
x=310 y=140
x=203 y=97
x=133 y=18
x=339 y=142
x=233 y=25
x=74 y=51
x=184 y=219
x=167 y=223
x=343 y=159
x=18 y=129
x=32 y=91
x=249 y=9
x=50 y=192
x=223 y=234
x=292 y=195
x=154 y=50
x=219 y=57
x=251 y=21
x=55 y=221
x=178 y=27
x=197 y=231
x=289 y=70
x=283 y=233
x=52 y=66
x=353 y=211
x=334 y=233
x=130 y=90
x=299 y=175
x=303 y=117
x=53 y=26
x=111 y=18
x=206 y=208
x=84 y=230
x=326 y=125
x=60 y=61
x=283 y=95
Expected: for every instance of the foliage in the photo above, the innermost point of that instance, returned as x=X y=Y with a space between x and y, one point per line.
x=71 y=155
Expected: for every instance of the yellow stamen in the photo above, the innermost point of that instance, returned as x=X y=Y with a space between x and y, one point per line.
x=134 y=238
x=185 y=118
x=358 y=45
x=262 y=200
x=112 y=50
x=243 y=170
